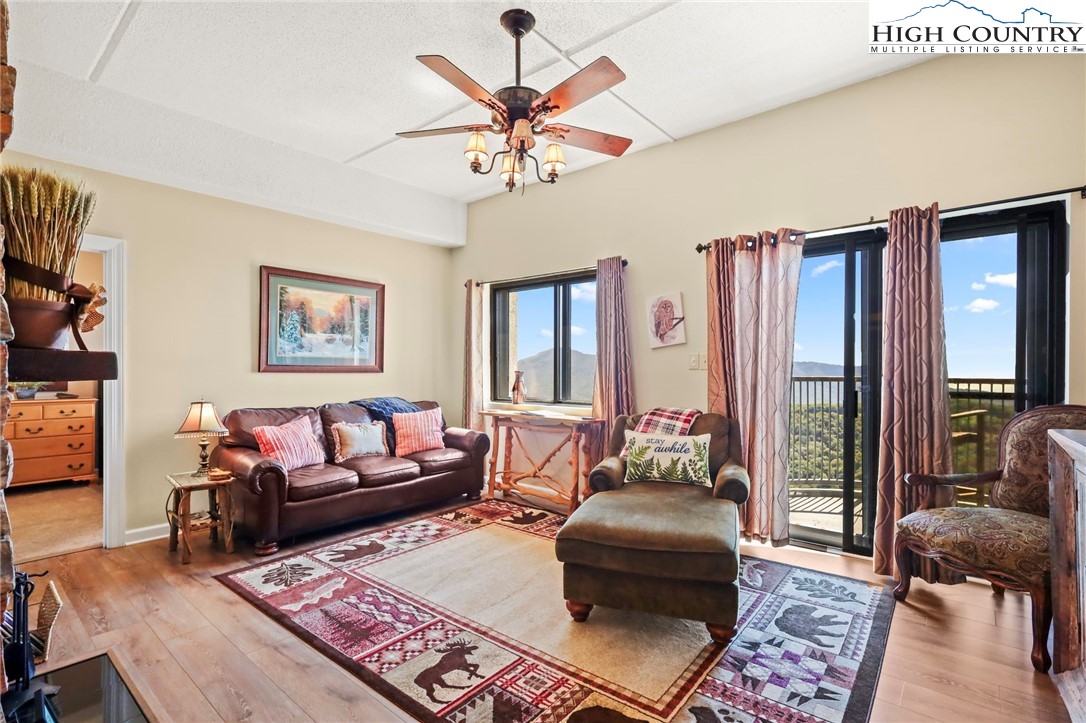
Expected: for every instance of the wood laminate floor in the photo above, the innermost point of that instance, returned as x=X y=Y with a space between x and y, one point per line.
x=198 y=652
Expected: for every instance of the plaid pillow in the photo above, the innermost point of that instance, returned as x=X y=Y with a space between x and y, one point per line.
x=293 y=443
x=673 y=421
x=418 y=432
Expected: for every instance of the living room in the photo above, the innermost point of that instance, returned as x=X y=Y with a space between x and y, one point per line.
x=249 y=175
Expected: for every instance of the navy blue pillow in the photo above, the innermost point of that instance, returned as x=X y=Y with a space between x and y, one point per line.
x=382 y=409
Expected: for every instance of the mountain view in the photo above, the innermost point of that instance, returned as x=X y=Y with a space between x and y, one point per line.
x=539 y=375
x=816 y=369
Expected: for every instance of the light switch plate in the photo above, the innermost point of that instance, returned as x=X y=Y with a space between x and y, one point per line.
x=703 y=361
x=694 y=362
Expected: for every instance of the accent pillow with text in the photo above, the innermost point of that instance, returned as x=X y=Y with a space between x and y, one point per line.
x=359 y=440
x=294 y=443
x=670 y=458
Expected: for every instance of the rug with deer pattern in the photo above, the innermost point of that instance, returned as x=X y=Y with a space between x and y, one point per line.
x=459 y=617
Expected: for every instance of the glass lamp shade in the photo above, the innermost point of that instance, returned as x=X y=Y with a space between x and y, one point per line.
x=509 y=167
x=202 y=419
x=476 y=150
x=553 y=159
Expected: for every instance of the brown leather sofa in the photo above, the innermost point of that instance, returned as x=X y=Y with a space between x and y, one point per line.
x=660 y=547
x=271 y=504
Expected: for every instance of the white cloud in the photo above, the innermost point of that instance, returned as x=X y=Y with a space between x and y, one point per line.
x=979 y=306
x=977 y=286
x=823 y=268
x=951 y=308
x=546 y=333
x=1010 y=280
x=583 y=292
x=797 y=346
x=576 y=330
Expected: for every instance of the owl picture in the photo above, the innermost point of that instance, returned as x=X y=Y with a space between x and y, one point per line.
x=666 y=320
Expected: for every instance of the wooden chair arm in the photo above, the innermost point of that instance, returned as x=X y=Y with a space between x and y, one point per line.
x=927 y=483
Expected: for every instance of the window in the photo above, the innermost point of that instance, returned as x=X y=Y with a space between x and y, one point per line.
x=546 y=329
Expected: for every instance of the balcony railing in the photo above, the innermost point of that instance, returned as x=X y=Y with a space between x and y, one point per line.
x=979 y=408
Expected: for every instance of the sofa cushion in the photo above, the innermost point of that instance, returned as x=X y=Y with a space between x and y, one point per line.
x=319 y=480
x=294 y=444
x=331 y=414
x=658 y=529
x=418 y=432
x=381 y=471
x=447 y=459
x=359 y=440
x=240 y=422
x=665 y=457
x=382 y=409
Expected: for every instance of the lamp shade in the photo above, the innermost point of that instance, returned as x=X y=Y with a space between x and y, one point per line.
x=476 y=150
x=202 y=419
x=522 y=138
x=553 y=159
x=509 y=168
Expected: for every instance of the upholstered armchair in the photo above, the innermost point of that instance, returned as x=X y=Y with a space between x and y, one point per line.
x=666 y=548
x=1006 y=543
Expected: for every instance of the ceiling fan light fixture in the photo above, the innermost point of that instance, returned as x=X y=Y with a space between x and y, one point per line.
x=476 y=150
x=510 y=169
x=553 y=159
x=522 y=138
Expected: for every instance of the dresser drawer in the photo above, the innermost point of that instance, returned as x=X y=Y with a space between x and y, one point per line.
x=53 y=428
x=63 y=467
x=9 y=430
x=68 y=410
x=51 y=446
x=25 y=411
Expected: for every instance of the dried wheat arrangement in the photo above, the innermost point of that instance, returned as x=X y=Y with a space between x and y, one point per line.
x=44 y=219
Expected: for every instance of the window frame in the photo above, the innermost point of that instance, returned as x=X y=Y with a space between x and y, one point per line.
x=562 y=285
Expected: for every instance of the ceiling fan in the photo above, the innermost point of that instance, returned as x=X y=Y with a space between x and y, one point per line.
x=521 y=113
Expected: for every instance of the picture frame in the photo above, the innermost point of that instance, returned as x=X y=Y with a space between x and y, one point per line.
x=313 y=322
x=665 y=320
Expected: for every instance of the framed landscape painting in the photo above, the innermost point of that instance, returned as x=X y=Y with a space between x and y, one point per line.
x=319 y=323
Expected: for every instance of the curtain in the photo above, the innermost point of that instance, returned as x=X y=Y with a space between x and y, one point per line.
x=914 y=435
x=474 y=358
x=613 y=393
x=753 y=284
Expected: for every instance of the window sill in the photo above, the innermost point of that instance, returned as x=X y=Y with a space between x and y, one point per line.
x=571 y=409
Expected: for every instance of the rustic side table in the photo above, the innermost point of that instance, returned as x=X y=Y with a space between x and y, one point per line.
x=183 y=523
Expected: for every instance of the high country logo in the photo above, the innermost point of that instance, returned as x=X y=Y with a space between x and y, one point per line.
x=984 y=26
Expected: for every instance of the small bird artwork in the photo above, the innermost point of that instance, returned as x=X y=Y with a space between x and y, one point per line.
x=666 y=321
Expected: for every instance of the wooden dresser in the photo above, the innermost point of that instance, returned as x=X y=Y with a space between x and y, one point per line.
x=52 y=439
x=1067 y=500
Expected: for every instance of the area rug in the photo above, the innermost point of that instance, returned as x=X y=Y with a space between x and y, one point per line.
x=459 y=617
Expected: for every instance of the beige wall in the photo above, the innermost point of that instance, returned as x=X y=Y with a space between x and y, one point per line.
x=957 y=130
x=192 y=297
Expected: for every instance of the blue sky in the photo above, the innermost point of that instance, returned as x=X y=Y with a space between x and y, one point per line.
x=535 y=320
x=978 y=296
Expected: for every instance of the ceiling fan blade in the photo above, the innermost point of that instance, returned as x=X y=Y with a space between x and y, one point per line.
x=590 y=140
x=589 y=81
x=441 y=65
x=444 y=131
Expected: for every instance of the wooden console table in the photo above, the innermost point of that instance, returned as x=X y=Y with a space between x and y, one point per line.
x=578 y=433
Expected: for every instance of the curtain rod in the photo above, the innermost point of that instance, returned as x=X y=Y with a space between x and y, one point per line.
x=536 y=277
x=1081 y=190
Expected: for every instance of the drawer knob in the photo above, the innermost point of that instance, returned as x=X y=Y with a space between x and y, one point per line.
x=76 y=446
x=20 y=415
x=75 y=429
x=69 y=414
x=39 y=430
x=74 y=467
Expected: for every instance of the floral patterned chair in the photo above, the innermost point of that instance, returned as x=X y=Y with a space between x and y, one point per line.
x=1006 y=543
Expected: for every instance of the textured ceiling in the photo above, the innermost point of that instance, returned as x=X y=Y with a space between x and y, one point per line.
x=321 y=88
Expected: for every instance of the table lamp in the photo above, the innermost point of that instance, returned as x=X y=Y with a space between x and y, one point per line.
x=201 y=421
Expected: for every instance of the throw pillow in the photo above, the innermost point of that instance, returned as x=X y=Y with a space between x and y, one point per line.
x=359 y=440
x=671 y=458
x=665 y=420
x=381 y=409
x=418 y=432
x=294 y=443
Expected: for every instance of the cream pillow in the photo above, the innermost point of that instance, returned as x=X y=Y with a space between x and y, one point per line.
x=359 y=440
x=666 y=457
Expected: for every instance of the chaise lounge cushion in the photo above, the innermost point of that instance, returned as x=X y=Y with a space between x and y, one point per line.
x=433 y=461
x=381 y=471
x=658 y=529
x=319 y=480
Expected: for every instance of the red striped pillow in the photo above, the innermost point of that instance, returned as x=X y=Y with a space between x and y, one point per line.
x=418 y=432
x=293 y=443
